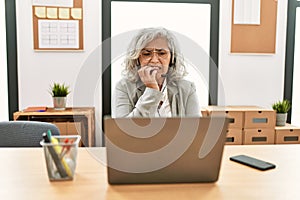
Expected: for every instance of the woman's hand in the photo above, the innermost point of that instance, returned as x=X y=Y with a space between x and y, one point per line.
x=148 y=76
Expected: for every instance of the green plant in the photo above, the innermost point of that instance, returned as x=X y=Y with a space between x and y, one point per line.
x=59 y=90
x=282 y=106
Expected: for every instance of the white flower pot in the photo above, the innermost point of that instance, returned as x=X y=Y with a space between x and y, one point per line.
x=59 y=103
x=281 y=119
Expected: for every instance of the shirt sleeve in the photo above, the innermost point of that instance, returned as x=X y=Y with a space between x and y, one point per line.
x=146 y=106
x=192 y=105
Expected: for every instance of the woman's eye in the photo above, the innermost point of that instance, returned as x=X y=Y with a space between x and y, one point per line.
x=146 y=54
x=162 y=53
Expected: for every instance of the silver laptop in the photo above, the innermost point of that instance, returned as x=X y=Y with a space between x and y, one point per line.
x=164 y=150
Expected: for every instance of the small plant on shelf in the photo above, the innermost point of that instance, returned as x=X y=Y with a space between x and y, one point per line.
x=282 y=106
x=59 y=93
x=59 y=90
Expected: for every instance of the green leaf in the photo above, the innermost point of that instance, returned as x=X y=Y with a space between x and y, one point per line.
x=59 y=90
x=282 y=106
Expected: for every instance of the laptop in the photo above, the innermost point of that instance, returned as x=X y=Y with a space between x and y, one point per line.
x=164 y=150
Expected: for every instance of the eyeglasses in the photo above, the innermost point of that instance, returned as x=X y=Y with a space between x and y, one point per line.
x=148 y=54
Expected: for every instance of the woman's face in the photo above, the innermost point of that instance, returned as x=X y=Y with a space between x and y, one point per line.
x=156 y=53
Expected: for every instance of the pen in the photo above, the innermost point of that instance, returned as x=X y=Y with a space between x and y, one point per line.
x=59 y=166
x=65 y=148
x=49 y=135
x=58 y=150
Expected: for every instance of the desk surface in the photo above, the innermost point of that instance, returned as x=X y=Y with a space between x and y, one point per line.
x=23 y=176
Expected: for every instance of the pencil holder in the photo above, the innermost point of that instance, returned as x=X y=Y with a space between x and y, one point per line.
x=61 y=155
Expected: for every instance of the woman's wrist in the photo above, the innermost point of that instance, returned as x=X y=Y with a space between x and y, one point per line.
x=152 y=85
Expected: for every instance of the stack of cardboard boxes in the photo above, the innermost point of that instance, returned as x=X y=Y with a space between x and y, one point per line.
x=259 y=126
x=248 y=124
x=236 y=117
x=287 y=134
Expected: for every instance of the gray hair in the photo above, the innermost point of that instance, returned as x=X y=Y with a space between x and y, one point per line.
x=176 y=69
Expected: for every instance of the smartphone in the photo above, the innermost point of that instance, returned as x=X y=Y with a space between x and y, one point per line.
x=253 y=162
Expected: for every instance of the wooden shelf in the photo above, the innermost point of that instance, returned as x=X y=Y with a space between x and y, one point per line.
x=83 y=115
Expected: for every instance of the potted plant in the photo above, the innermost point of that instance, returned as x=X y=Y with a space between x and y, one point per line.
x=281 y=108
x=59 y=94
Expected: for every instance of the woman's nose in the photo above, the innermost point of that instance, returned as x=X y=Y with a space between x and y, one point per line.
x=155 y=57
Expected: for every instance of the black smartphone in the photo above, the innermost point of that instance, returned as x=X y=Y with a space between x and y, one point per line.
x=253 y=162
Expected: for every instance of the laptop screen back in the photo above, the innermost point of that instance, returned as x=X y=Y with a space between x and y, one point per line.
x=164 y=150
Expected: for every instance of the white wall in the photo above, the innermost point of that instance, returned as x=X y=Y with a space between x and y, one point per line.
x=37 y=70
x=251 y=79
x=296 y=81
x=3 y=66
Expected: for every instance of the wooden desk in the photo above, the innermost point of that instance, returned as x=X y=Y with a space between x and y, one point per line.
x=86 y=115
x=23 y=176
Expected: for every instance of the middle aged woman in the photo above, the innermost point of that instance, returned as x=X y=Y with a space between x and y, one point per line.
x=153 y=84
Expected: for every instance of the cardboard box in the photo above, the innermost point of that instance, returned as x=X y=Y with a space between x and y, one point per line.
x=62 y=126
x=74 y=128
x=260 y=118
x=287 y=134
x=235 y=114
x=259 y=136
x=204 y=112
x=234 y=137
x=69 y=128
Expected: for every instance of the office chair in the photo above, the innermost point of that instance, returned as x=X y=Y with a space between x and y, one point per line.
x=24 y=133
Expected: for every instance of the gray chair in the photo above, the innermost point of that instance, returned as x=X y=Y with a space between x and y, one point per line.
x=24 y=133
